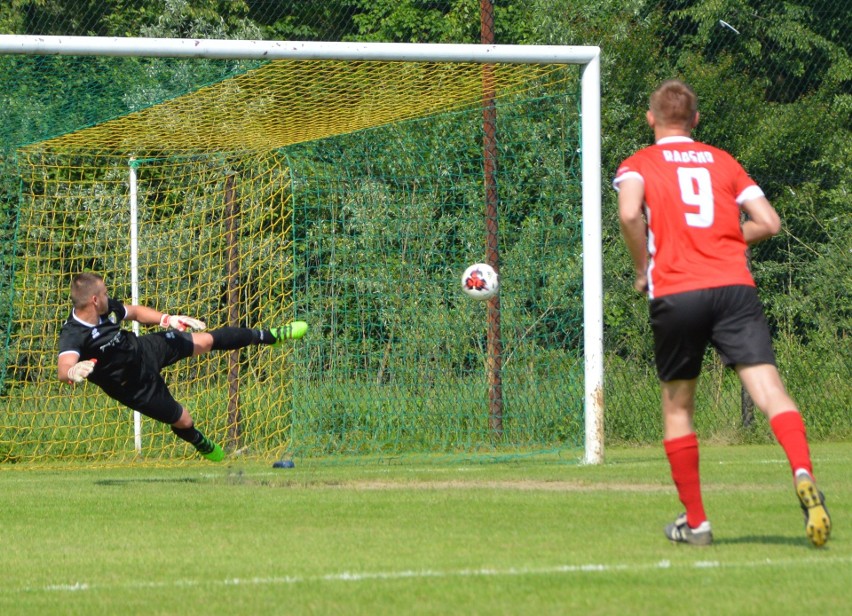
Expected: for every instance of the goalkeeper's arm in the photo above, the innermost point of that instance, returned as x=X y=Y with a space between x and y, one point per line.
x=149 y=316
x=72 y=371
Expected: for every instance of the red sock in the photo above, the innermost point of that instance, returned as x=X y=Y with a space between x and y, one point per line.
x=682 y=453
x=789 y=429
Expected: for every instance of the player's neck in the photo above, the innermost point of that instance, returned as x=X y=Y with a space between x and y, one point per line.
x=661 y=132
x=87 y=314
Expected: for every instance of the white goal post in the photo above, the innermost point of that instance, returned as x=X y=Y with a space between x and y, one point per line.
x=588 y=57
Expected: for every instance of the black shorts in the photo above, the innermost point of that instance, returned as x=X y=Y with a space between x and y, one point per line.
x=149 y=394
x=730 y=318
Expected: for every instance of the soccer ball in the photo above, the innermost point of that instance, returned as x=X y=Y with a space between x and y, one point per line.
x=480 y=281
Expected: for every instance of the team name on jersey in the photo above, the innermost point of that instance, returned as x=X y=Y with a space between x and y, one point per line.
x=114 y=341
x=690 y=156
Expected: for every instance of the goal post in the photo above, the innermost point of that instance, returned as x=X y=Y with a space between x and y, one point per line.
x=228 y=141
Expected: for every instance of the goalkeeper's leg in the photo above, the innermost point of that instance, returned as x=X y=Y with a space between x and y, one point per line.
x=231 y=338
x=185 y=429
x=162 y=407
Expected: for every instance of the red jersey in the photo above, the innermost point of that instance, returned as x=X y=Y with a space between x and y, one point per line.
x=693 y=194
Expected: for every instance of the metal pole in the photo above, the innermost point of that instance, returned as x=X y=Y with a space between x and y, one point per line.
x=592 y=261
x=134 y=282
x=232 y=225
x=494 y=343
x=293 y=50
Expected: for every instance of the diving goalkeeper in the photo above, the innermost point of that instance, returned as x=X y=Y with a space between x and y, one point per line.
x=93 y=346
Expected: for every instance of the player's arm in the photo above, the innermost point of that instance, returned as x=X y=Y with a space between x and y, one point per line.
x=148 y=316
x=763 y=221
x=66 y=360
x=631 y=199
x=143 y=315
x=70 y=370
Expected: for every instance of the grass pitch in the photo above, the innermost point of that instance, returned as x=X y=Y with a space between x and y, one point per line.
x=524 y=537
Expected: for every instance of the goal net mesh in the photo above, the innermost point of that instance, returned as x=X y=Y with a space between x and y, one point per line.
x=346 y=194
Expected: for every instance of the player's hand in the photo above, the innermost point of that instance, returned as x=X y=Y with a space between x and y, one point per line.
x=80 y=371
x=181 y=323
x=641 y=283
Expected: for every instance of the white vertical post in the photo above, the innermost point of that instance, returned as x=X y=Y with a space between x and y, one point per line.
x=590 y=110
x=134 y=283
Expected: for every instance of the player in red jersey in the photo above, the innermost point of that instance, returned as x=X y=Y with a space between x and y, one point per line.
x=680 y=204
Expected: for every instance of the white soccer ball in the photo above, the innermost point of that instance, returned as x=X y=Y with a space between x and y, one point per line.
x=480 y=281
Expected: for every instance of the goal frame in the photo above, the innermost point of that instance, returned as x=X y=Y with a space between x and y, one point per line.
x=588 y=57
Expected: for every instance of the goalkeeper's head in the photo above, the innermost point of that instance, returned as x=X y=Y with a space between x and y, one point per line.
x=89 y=289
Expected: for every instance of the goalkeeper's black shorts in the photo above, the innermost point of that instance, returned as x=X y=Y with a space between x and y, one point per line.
x=149 y=393
x=730 y=318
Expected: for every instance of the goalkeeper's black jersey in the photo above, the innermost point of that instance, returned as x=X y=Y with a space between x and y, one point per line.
x=117 y=351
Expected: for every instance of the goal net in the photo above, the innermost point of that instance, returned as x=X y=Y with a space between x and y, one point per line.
x=347 y=193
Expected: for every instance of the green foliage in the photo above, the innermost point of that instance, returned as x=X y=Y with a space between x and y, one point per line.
x=776 y=93
x=215 y=19
x=330 y=20
x=168 y=18
x=361 y=418
x=443 y=21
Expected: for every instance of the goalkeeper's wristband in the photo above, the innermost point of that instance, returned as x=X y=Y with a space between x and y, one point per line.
x=164 y=320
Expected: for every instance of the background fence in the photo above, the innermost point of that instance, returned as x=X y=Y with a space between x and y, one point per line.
x=774 y=89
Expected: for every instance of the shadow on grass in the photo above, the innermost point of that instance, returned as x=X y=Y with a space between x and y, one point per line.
x=122 y=482
x=763 y=540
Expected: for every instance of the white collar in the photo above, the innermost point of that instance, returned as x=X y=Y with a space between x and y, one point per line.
x=675 y=139
x=79 y=320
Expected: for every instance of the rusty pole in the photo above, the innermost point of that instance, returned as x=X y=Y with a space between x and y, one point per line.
x=494 y=360
x=232 y=224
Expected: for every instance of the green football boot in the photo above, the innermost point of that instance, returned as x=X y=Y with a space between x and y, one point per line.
x=217 y=455
x=292 y=331
x=210 y=450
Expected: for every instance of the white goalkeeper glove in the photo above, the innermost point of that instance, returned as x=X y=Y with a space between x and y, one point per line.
x=181 y=323
x=79 y=371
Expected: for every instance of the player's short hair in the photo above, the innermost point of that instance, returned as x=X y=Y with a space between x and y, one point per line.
x=83 y=287
x=674 y=104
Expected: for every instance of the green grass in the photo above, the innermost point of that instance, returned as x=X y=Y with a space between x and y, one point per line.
x=522 y=537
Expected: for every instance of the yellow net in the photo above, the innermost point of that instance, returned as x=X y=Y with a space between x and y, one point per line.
x=287 y=102
x=213 y=242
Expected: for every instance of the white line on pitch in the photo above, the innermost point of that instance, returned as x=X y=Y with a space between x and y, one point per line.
x=366 y=576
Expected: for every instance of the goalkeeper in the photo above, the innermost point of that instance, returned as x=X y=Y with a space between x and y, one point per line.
x=93 y=346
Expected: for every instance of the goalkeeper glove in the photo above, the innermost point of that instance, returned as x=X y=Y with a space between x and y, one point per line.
x=181 y=323
x=79 y=371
